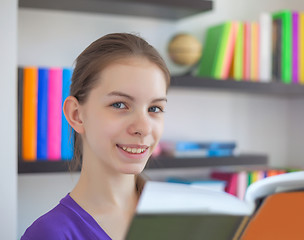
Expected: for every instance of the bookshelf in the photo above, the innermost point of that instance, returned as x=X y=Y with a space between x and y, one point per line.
x=165 y=9
x=161 y=162
x=274 y=88
x=188 y=81
x=165 y=162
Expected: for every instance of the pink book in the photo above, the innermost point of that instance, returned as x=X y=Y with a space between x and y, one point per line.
x=295 y=46
x=230 y=50
x=232 y=185
x=54 y=114
x=242 y=184
x=231 y=179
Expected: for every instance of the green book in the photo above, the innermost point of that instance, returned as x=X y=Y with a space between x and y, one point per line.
x=239 y=53
x=286 y=44
x=211 y=49
x=223 y=51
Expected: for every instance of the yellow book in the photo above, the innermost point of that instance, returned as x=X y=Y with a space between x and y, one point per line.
x=301 y=47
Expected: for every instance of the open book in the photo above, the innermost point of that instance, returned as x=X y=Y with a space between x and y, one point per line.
x=177 y=211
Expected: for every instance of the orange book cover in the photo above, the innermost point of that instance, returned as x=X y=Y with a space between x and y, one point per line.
x=279 y=217
x=29 y=114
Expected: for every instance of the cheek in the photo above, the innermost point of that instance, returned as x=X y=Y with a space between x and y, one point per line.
x=158 y=129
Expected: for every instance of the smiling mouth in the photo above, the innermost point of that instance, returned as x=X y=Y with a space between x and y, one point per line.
x=133 y=150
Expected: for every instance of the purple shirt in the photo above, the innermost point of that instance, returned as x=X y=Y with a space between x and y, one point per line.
x=66 y=221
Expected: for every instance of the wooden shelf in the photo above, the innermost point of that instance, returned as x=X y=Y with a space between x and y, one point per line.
x=165 y=9
x=269 y=88
x=162 y=162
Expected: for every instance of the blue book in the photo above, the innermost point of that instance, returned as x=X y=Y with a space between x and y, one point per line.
x=42 y=114
x=66 y=134
x=190 y=146
x=224 y=152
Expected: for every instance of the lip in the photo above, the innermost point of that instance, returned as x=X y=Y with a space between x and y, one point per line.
x=137 y=156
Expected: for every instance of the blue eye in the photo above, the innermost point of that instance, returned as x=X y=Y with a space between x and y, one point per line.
x=119 y=105
x=155 y=109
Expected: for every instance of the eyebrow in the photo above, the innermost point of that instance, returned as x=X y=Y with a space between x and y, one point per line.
x=121 y=94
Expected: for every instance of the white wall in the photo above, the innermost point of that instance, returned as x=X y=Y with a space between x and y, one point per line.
x=58 y=37
x=259 y=123
x=8 y=121
x=296 y=132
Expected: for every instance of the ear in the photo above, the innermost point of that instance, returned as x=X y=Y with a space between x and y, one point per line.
x=71 y=109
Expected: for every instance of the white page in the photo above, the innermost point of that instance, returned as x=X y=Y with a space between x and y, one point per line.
x=163 y=197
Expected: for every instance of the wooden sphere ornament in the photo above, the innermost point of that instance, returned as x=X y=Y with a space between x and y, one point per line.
x=184 y=49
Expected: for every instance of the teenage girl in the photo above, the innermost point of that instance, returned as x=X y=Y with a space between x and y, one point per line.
x=116 y=109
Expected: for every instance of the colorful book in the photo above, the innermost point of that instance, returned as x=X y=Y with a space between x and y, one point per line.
x=54 y=113
x=265 y=50
x=286 y=44
x=276 y=49
x=230 y=178
x=295 y=47
x=212 y=42
x=42 y=113
x=242 y=184
x=301 y=48
x=218 y=51
x=254 y=53
x=247 y=50
x=238 y=57
x=225 y=55
x=29 y=114
x=66 y=132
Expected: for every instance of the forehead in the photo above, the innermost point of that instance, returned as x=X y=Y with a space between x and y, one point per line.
x=129 y=74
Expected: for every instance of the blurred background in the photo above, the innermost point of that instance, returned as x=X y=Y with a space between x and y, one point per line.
x=54 y=36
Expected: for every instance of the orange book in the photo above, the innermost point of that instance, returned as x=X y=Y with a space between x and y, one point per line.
x=254 y=55
x=279 y=217
x=29 y=114
x=247 y=50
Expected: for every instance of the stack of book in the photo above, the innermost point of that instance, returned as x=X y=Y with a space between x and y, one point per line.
x=237 y=182
x=197 y=149
x=270 y=49
x=44 y=133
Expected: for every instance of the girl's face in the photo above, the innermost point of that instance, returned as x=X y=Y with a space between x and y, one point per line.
x=123 y=115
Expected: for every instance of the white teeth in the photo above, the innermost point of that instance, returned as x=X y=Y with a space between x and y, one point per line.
x=133 y=150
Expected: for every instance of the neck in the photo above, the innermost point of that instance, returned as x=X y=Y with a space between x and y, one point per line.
x=99 y=188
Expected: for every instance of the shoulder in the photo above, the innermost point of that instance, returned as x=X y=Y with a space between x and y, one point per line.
x=49 y=226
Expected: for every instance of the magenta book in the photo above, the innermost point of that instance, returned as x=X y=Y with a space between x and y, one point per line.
x=54 y=114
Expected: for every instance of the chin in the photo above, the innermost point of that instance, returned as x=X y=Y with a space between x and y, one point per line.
x=133 y=169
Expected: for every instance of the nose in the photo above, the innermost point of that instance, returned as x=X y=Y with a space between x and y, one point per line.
x=141 y=125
